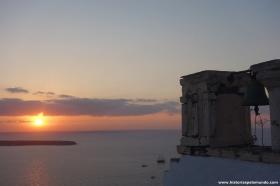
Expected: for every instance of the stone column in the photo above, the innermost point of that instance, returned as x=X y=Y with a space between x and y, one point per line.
x=269 y=74
x=184 y=115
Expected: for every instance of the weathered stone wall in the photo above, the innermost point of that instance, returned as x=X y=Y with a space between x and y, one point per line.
x=212 y=111
x=232 y=125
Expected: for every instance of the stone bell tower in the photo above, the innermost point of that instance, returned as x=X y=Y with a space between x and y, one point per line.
x=212 y=110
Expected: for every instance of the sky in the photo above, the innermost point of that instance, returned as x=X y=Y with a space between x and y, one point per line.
x=115 y=65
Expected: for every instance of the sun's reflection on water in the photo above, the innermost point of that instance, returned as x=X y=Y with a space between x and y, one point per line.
x=36 y=173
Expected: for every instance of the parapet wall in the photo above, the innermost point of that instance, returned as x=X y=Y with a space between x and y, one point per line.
x=213 y=114
x=212 y=111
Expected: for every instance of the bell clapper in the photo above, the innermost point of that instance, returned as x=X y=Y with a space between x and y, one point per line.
x=257 y=114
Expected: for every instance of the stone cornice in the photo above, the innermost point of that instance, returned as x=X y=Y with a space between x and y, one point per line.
x=268 y=73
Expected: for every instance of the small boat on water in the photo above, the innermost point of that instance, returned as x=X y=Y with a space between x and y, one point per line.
x=160 y=159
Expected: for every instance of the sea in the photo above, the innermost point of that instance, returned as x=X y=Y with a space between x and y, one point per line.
x=101 y=158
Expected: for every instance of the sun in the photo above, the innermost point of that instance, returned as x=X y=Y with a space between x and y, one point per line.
x=39 y=120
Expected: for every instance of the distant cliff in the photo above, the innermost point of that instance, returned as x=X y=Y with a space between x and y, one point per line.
x=35 y=142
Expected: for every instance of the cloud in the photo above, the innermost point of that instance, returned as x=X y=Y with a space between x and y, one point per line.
x=13 y=121
x=17 y=107
x=16 y=90
x=52 y=94
x=86 y=106
x=42 y=93
x=65 y=96
x=141 y=100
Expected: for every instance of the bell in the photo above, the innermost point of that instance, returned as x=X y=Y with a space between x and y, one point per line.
x=255 y=94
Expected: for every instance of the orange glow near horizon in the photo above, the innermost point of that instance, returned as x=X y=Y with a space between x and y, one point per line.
x=42 y=122
x=39 y=120
x=108 y=123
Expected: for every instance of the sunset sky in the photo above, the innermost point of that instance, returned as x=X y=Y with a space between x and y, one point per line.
x=114 y=65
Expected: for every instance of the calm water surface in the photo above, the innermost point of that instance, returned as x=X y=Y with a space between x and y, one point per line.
x=100 y=158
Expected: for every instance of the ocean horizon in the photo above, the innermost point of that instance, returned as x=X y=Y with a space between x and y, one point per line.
x=102 y=158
